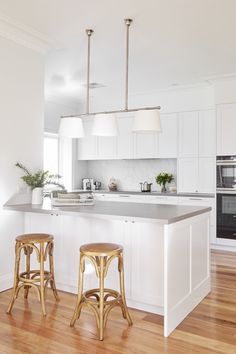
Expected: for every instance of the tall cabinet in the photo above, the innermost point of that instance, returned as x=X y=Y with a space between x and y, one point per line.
x=226 y=126
x=197 y=149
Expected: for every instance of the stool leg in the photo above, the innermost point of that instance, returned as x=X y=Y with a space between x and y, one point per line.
x=80 y=292
x=51 y=269
x=122 y=290
x=27 y=252
x=42 y=287
x=16 y=277
x=101 y=300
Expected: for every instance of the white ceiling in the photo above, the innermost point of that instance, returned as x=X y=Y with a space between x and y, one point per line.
x=172 y=41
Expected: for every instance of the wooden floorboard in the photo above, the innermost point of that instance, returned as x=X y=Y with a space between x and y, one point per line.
x=210 y=328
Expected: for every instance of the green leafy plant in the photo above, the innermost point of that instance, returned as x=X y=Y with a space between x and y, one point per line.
x=39 y=179
x=163 y=178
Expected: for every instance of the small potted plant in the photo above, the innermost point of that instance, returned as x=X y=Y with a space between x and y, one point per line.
x=36 y=181
x=163 y=178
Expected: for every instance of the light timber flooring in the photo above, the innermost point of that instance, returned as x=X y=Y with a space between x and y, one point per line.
x=210 y=328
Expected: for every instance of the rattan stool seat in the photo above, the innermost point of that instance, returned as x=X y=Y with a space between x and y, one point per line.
x=101 y=249
x=34 y=238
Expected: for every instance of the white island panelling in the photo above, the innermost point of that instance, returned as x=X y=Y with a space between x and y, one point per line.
x=166 y=262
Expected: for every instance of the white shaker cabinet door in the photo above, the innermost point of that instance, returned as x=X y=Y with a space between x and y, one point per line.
x=226 y=129
x=87 y=146
x=125 y=138
x=188 y=134
x=147 y=256
x=188 y=175
x=145 y=145
x=207 y=133
x=106 y=147
x=207 y=175
x=167 y=138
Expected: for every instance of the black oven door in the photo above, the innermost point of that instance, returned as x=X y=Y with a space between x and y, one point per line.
x=226 y=216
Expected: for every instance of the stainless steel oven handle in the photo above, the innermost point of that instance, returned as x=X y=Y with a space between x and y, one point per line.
x=225 y=162
x=225 y=191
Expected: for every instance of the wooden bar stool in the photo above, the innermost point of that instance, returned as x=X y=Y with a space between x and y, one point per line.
x=101 y=256
x=42 y=244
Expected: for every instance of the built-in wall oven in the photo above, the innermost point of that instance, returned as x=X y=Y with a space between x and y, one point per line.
x=226 y=196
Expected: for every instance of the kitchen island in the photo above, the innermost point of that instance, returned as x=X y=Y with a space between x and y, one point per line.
x=166 y=250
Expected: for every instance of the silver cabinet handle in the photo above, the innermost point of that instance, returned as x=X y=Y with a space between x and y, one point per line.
x=234 y=216
x=195 y=198
x=124 y=196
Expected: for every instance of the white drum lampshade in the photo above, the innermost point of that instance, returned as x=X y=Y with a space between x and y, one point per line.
x=105 y=125
x=71 y=127
x=147 y=120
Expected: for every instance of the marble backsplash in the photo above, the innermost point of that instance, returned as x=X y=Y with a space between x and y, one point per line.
x=129 y=173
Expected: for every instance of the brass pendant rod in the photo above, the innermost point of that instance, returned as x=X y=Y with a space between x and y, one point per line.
x=128 y=22
x=89 y=33
x=112 y=112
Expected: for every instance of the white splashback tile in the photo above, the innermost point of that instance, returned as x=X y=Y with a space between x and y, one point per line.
x=129 y=173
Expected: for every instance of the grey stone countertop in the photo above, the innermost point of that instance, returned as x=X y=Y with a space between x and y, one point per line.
x=154 y=193
x=163 y=214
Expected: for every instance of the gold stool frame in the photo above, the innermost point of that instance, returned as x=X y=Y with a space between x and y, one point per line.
x=101 y=255
x=37 y=279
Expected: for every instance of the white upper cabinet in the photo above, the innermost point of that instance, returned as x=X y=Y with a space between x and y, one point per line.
x=188 y=134
x=206 y=175
x=188 y=175
x=106 y=147
x=125 y=138
x=168 y=137
x=196 y=175
x=226 y=129
x=145 y=145
x=207 y=133
x=87 y=146
x=183 y=135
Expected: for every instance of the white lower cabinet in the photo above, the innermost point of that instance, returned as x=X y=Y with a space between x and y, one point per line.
x=207 y=202
x=140 y=241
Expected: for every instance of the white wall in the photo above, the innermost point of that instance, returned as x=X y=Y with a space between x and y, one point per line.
x=52 y=113
x=225 y=90
x=21 y=136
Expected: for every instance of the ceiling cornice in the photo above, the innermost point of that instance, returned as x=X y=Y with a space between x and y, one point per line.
x=24 y=35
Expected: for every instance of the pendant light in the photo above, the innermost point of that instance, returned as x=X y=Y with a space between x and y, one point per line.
x=145 y=120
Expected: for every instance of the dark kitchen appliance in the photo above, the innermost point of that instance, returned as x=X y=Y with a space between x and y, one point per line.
x=145 y=186
x=88 y=184
x=226 y=196
x=97 y=185
x=226 y=173
x=226 y=215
